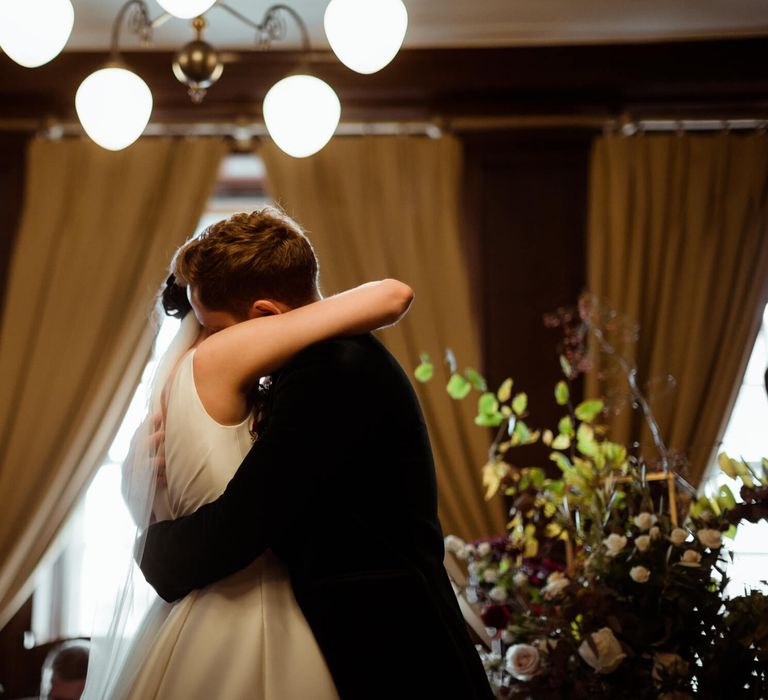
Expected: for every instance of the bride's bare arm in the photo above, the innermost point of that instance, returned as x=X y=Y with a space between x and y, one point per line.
x=234 y=358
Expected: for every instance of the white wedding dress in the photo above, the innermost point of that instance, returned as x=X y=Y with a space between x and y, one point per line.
x=243 y=637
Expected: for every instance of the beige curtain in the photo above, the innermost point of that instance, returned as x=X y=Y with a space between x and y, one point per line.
x=379 y=207
x=678 y=241
x=96 y=235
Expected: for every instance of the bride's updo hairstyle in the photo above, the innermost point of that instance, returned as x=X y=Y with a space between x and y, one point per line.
x=261 y=255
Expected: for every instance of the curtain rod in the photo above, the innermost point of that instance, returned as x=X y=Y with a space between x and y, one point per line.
x=244 y=130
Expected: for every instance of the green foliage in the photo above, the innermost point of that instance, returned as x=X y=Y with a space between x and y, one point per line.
x=458 y=387
x=588 y=410
x=520 y=403
x=505 y=390
x=562 y=393
x=424 y=372
x=475 y=379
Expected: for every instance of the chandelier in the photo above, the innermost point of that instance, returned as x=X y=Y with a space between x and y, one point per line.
x=114 y=105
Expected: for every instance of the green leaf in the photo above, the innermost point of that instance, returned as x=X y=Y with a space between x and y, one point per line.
x=458 y=387
x=505 y=390
x=588 y=410
x=588 y=448
x=424 y=372
x=555 y=486
x=727 y=465
x=565 y=426
x=547 y=437
x=561 y=442
x=537 y=476
x=522 y=431
x=566 y=366
x=487 y=404
x=504 y=565
x=561 y=393
x=614 y=452
x=475 y=379
x=725 y=498
x=561 y=461
x=486 y=421
x=520 y=403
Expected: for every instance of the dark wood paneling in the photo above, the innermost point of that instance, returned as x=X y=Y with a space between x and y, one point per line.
x=526 y=224
x=13 y=148
x=684 y=77
x=19 y=673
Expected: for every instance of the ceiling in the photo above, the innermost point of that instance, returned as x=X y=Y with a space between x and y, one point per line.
x=459 y=23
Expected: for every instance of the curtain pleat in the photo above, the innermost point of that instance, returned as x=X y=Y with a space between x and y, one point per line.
x=96 y=236
x=678 y=241
x=381 y=206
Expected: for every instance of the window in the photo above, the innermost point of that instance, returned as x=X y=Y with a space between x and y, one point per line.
x=88 y=558
x=746 y=437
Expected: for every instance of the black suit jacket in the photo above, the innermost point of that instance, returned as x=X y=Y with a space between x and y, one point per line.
x=341 y=486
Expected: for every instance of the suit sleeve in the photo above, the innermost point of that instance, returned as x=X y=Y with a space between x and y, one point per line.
x=269 y=491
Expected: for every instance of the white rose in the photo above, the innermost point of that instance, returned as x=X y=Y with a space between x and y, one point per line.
x=678 y=536
x=491 y=575
x=655 y=532
x=709 y=538
x=520 y=579
x=639 y=574
x=644 y=521
x=614 y=544
x=643 y=542
x=522 y=661
x=690 y=558
x=456 y=546
x=557 y=582
x=484 y=549
x=498 y=594
x=609 y=652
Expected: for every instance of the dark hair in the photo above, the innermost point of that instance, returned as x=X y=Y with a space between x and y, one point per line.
x=67 y=662
x=174 y=299
x=264 y=254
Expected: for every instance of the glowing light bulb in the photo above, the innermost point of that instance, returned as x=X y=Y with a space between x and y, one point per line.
x=114 y=106
x=365 y=35
x=301 y=113
x=186 y=9
x=33 y=32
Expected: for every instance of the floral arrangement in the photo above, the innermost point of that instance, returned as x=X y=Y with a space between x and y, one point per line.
x=609 y=582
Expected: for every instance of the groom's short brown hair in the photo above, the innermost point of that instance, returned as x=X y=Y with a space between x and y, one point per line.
x=261 y=255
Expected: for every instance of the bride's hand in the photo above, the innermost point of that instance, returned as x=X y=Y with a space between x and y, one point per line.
x=146 y=451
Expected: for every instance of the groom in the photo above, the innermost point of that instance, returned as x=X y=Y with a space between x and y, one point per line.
x=341 y=487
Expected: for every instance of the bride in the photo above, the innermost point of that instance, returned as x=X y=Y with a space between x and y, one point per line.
x=244 y=636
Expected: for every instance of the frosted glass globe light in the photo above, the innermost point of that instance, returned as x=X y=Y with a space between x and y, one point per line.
x=301 y=113
x=186 y=9
x=114 y=106
x=33 y=32
x=365 y=35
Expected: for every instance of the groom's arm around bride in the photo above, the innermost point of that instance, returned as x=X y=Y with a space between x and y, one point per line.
x=341 y=486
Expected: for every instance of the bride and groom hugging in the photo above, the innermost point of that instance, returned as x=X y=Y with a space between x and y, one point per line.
x=306 y=563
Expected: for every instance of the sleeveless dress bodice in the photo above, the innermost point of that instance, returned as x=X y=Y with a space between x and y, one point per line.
x=202 y=455
x=243 y=637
